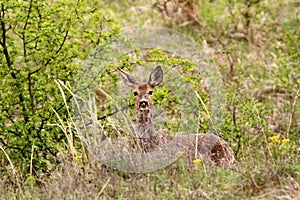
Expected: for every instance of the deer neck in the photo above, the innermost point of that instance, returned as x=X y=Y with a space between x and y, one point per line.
x=145 y=127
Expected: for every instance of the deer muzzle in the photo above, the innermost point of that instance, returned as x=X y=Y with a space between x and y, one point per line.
x=143 y=104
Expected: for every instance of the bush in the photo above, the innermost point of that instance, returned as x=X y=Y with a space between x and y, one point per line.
x=42 y=41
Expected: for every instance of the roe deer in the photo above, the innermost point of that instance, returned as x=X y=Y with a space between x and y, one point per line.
x=209 y=148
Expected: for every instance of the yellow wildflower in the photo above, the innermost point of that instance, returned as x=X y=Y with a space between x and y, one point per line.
x=197 y=161
x=77 y=157
x=285 y=140
x=274 y=139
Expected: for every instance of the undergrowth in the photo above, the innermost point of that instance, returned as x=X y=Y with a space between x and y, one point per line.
x=255 y=45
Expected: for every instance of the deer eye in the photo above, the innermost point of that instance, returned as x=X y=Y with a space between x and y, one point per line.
x=135 y=93
x=150 y=92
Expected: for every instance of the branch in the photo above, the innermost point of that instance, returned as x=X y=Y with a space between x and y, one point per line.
x=42 y=140
x=24 y=29
x=63 y=42
x=114 y=112
x=3 y=42
x=60 y=46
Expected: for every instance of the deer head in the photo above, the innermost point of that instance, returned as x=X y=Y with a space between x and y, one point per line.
x=143 y=100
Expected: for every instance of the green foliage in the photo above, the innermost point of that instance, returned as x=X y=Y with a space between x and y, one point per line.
x=41 y=41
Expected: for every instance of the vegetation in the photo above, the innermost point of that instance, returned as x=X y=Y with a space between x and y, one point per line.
x=255 y=45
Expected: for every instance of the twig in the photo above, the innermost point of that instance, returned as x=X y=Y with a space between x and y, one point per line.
x=102 y=189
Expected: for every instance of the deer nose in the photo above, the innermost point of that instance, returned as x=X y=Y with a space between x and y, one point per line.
x=143 y=104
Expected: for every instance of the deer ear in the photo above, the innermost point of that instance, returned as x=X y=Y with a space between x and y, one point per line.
x=156 y=77
x=127 y=78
